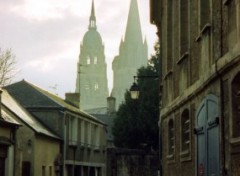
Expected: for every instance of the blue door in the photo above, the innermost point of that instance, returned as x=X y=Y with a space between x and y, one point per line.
x=208 y=137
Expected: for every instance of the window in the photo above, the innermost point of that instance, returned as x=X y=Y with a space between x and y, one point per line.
x=2 y=166
x=26 y=168
x=236 y=106
x=83 y=126
x=204 y=15
x=184 y=26
x=43 y=171
x=185 y=133
x=89 y=134
x=79 y=130
x=169 y=34
x=72 y=130
x=86 y=132
x=171 y=138
x=70 y=127
x=95 y=60
x=232 y=24
x=50 y=170
x=97 y=134
x=96 y=86
x=88 y=60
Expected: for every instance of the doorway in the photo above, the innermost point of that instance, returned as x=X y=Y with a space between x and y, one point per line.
x=208 y=137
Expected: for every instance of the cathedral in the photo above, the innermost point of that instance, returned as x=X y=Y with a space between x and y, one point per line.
x=133 y=54
x=91 y=80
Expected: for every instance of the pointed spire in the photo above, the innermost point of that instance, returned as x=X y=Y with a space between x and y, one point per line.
x=92 y=19
x=133 y=29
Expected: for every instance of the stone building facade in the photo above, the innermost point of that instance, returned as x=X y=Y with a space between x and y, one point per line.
x=200 y=51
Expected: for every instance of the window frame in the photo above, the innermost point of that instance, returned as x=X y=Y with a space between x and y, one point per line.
x=171 y=139
x=185 y=118
x=236 y=78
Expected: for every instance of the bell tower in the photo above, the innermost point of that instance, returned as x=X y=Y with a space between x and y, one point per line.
x=91 y=80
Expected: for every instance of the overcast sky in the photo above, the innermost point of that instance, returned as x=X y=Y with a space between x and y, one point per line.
x=45 y=36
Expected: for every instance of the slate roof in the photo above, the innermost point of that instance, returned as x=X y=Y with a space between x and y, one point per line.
x=32 y=96
x=102 y=110
x=11 y=104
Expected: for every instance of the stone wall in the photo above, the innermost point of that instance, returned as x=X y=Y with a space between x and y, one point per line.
x=128 y=162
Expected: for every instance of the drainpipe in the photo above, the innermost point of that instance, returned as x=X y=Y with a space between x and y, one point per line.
x=224 y=171
x=222 y=127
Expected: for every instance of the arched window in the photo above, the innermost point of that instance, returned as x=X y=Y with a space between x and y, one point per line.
x=184 y=26
x=170 y=20
x=96 y=86
x=171 y=137
x=204 y=17
x=185 y=132
x=88 y=60
x=236 y=106
x=95 y=60
x=232 y=24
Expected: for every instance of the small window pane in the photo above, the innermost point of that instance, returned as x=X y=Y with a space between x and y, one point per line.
x=236 y=106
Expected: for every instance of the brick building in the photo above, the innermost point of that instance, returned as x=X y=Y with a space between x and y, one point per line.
x=200 y=55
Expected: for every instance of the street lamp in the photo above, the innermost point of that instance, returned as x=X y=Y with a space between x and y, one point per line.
x=134 y=90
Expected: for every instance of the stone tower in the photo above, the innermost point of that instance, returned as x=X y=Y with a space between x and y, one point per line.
x=91 y=69
x=133 y=54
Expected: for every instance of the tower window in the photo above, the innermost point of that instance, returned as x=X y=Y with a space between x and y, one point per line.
x=88 y=60
x=95 y=60
x=96 y=86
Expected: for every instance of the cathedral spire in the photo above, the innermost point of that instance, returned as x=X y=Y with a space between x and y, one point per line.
x=133 y=29
x=92 y=19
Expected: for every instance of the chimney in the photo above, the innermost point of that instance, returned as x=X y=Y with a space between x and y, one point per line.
x=73 y=99
x=111 y=105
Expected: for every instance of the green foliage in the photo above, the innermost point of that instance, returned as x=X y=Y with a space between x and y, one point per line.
x=136 y=123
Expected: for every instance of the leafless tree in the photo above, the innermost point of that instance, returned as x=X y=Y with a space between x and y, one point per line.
x=7 y=67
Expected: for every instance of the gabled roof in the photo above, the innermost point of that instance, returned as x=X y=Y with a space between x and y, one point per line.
x=9 y=103
x=6 y=119
x=33 y=96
